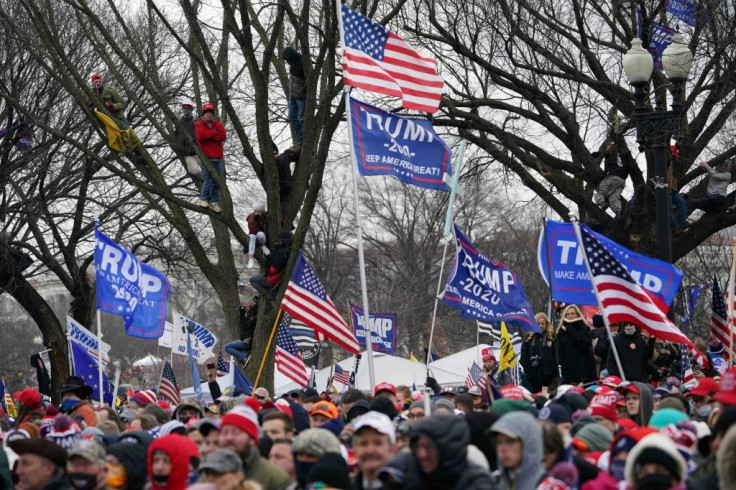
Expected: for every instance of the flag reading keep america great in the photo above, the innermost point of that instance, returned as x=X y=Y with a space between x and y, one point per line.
x=376 y=59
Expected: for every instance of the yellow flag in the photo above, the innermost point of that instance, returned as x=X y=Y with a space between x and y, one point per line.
x=10 y=405
x=508 y=357
x=412 y=357
x=120 y=140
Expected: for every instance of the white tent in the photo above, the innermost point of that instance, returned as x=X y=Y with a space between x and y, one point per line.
x=395 y=370
x=459 y=362
x=149 y=360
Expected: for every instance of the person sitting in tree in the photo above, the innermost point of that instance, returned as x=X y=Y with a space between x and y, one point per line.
x=112 y=101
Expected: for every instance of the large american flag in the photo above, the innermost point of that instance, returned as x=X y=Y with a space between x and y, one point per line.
x=341 y=375
x=223 y=368
x=306 y=299
x=622 y=299
x=288 y=360
x=719 y=320
x=376 y=59
x=474 y=374
x=168 y=388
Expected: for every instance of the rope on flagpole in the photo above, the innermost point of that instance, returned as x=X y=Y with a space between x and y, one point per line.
x=268 y=348
x=576 y=226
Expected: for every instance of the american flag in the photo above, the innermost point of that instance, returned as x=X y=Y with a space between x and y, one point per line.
x=622 y=299
x=719 y=320
x=288 y=360
x=168 y=388
x=474 y=374
x=341 y=375
x=306 y=299
x=223 y=368
x=376 y=59
x=687 y=370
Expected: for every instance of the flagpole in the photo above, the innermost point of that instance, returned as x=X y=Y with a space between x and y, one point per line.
x=731 y=288
x=477 y=341
x=576 y=227
x=549 y=272
x=117 y=384
x=446 y=234
x=268 y=348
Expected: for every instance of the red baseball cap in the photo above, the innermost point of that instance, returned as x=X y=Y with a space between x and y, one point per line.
x=703 y=387
x=28 y=397
x=612 y=381
x=604 y=405
x=96 y=76
x=384 y=386
x=727 y=392
x=624 y=387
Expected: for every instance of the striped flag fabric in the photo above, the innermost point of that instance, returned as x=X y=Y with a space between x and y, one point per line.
x=288 y=360
x=622 y=299
x=302 y=334
x=167 y=387
x=342 y=376
x=307 y=300
x=223 y=368
x=495 y=333
x=686 y=371
x=474 y=374
x=719 y=321
x=376 y=59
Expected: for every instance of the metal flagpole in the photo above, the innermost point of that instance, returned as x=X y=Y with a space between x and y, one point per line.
x=477 y=341
x=454 y=191
x=99 y=357
x=576 y=226
x=358 y=226
x=117 y=384
x=731 y=288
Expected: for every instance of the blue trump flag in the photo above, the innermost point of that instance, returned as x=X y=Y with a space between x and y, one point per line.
x=196 y=383
x=408 y=149
x=383 y=329
x=485 y=290
x=130 y=288
x=86 y=367
x=570 y=282
x=685 y=10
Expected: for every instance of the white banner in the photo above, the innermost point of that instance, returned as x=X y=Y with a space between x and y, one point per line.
x=89 y=341
x=203 y=341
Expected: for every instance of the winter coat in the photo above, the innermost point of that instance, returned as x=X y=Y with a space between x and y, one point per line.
x=541 y=347
x=247 y=323
x=117 y=109
x=256 y=223
x=718 y=181
x=531 y=471
x=632 y=351
x=611 y=165
x=260 y=470
x=601 y=346
x=575 y=341
x=283 y=165
x=180 y=449
x=132 y=456
x=210 y=137
x=185 y=138
x=278 y=264
x=5 y=481
x=84 y=410
x=297 y=80
x=450 y=435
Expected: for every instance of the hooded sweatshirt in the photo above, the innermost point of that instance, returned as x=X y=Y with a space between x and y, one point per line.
x=180 y=449
x=131 y=455
x=450 y=436
x=523 y=426
x=646 y=404
x=718 y=181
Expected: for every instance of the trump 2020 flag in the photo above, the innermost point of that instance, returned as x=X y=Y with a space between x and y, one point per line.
x=485 y=290
x=376 y=59
x=408 y=149
x=130 y=288
x=86 y=367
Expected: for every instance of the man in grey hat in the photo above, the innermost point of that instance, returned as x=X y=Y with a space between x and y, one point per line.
x=40 y=464
x=86 y=468
x=222 y=467
x=717 y=190
x=308 y=447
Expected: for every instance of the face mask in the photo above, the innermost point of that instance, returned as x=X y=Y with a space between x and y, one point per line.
x=184 y=420
x=617 y=469
x=187 y=112
x=302 y=471
x=116 y=476
x=654 y=482
x=67 y=405
x=630 y=330
x=705 y=410
x=82 y=482
x=160 y=481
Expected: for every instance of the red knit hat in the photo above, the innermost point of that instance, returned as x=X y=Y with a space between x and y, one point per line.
x=604 y=405
x=96 y=76
x=487 y=354
x=144 y=398
x=244 y=418
x=29 y=397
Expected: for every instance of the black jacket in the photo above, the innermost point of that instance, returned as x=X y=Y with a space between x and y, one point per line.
x=575 y=341
x=611 y=165
x=632 y=351
x=297 y=82
x=541 y=348
x=185 y=138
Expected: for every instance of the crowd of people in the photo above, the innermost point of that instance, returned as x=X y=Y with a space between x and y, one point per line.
x=603 y=434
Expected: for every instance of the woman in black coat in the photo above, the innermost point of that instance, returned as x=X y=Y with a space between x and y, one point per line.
x=575 y=341
x=538 y=355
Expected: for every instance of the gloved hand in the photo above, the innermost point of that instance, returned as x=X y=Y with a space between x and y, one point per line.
x=433 y=385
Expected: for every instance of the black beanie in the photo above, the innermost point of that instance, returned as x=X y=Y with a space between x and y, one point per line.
x=657 y=456
x=331 y=470
x=384 y=405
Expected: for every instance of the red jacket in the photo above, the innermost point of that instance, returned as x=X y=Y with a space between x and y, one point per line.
x=180 y=449
x=210 y=137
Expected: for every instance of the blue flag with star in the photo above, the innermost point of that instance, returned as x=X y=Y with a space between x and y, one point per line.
x=86 y=367
x=132 y=289
x=485 y=290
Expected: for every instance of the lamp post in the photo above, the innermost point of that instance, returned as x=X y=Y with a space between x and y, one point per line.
x=655 y=128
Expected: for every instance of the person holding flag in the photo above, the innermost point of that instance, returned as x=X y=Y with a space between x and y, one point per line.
x=575 y=341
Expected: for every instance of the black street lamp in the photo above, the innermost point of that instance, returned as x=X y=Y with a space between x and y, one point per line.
x=655 y=128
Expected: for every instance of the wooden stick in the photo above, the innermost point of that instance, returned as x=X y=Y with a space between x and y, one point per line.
x=265 y=354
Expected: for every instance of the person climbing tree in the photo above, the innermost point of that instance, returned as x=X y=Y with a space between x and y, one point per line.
x=112 y=101
x=211 y=136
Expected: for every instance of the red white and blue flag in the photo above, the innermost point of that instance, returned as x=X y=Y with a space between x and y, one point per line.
x=342 y=376
x=376 y=59
x=167 y=388
x=288 y=360
x=719 y=321
x=474 y=374
x=307 y=300
x=223 y=368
